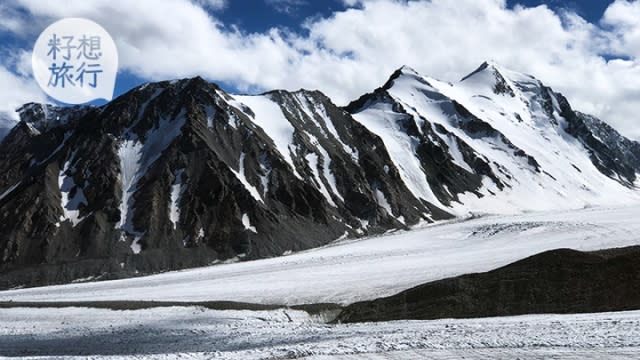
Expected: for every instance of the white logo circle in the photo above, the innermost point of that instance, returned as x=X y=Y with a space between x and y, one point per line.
x=75 y=61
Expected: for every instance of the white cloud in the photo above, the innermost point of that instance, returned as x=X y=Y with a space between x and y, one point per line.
x=15 y=91
x=351 y=3
x=17 y=87
x=286 y=6
x=355 y=50
x=624 y=19
x=213 y=4
x=10 y=19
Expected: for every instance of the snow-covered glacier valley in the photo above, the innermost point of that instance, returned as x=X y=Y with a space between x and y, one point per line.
x=342 y=272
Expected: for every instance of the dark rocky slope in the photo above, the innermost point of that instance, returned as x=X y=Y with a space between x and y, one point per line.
x=557 y=281
x=179 y=174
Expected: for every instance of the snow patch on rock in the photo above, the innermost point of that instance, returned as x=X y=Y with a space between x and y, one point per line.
x=176 y=194
x=247 y=224
x=71 y=195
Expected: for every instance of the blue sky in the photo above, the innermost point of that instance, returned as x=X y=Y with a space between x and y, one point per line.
x=591 y=10
x=257 y=16
x=347 y=47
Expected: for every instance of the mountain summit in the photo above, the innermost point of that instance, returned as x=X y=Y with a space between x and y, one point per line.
x=180 y=173
x=497 y=141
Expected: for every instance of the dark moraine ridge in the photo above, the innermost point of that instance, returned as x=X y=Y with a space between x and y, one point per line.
x=311 y=309
x=556 y=281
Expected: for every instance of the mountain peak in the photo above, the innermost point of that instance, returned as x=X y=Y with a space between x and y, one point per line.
x=46 y=116
x=405 y=69
x=498 y=72
x=404 y=72
x=490 y=74
x=178 y=85
x=489 y=66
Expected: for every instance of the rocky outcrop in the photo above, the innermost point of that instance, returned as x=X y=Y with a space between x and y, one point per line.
x=556 y=281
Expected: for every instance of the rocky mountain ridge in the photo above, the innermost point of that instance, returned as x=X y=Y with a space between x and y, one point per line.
x=180 y=173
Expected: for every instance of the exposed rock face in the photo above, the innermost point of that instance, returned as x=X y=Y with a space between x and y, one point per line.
x=181 y=174
x=557 y=281
x=612 y=153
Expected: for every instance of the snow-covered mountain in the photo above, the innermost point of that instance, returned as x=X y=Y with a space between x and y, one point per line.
x=498 y=141
x=180 y=174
